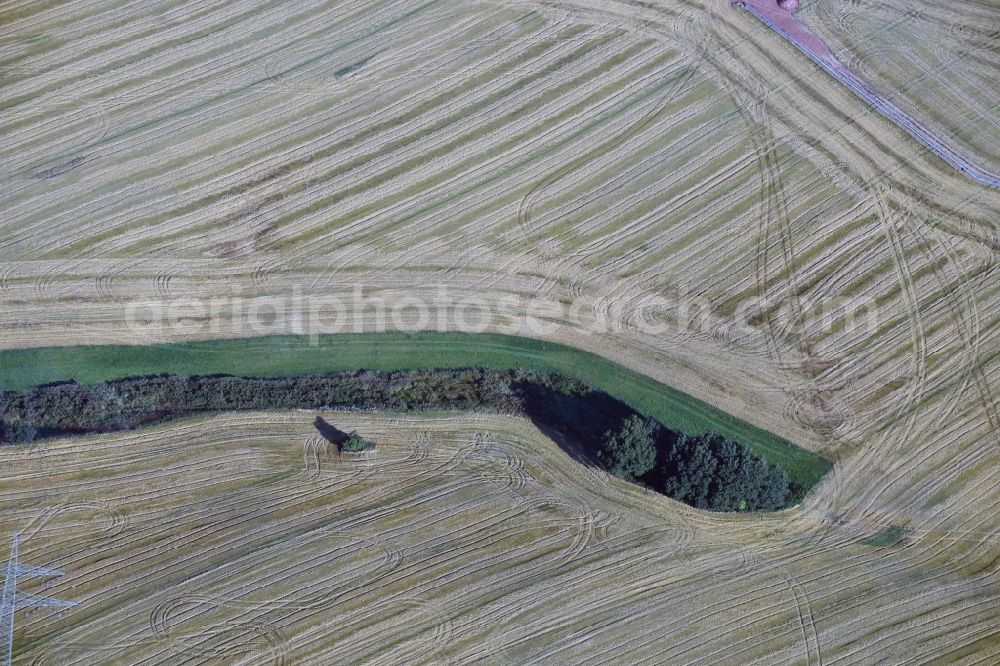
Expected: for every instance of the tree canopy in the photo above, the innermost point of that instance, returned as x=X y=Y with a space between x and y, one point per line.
x=629 y=451
x=355 y=443
x=710 y=472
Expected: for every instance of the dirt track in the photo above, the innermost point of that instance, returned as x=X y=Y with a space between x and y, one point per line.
x=786 y=25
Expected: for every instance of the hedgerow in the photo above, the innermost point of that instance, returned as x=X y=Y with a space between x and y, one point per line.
x=708 y=471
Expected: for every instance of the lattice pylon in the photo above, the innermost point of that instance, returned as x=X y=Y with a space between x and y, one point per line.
x=11 y=602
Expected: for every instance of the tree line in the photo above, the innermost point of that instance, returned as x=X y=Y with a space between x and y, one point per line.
x=705 y=471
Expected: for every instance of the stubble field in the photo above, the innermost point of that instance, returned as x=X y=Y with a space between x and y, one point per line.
x=938 y=60
x=574 y=152
x=463 y=539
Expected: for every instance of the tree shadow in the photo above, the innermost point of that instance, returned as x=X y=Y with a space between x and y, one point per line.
x=578 y=420
x=330 y=432
x=575 y=420
x=572 y=446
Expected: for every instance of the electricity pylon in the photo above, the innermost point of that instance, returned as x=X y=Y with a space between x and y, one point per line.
x=11 y=602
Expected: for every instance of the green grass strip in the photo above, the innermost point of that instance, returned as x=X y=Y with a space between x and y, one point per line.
x=886 y=537
x=275 y=356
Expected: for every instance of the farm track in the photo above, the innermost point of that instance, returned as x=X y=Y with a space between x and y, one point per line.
x=606 y=154
x=782 y=22
x=936 y=60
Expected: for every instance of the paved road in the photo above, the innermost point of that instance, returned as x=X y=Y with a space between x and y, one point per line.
x=790 y=28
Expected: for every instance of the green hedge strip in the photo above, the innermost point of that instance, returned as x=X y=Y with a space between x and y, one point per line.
x=276 y=356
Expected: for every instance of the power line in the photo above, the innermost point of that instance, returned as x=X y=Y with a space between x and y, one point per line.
x=10 y=603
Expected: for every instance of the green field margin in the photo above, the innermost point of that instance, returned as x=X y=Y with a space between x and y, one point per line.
x=275 y=356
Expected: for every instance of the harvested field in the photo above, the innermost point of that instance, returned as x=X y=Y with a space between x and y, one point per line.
x=206 y=162
x=541 y=152
x=779 y=16
x=939 y=61
x=246 y=539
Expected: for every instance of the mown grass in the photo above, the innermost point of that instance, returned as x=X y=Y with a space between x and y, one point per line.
x=275 y=356
x=886 y=537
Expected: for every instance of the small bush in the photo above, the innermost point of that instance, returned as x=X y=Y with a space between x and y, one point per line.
x=796 y=493
x=355 y=443
x=886 y=537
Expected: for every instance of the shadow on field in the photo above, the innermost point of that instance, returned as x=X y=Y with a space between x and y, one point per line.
x=330 y=432
x=574 y=418
x=578 y=420
x=578 y=450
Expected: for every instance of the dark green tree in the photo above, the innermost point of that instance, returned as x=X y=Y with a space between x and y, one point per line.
x=355 y=443
x=628 y=451
x=690 y=470
x=773 y=493
x=731 y=488
x=17 y=432
x=711 y=472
